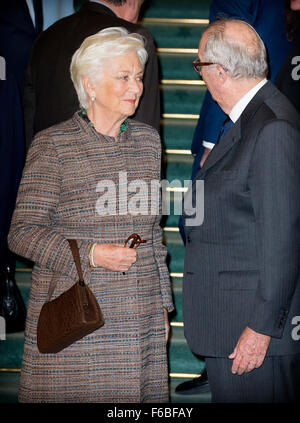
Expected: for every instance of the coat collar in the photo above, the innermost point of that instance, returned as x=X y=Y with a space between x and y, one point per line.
x=235 y=133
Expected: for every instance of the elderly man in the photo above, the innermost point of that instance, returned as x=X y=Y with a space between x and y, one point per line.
x=241 y=292
x=49 y=96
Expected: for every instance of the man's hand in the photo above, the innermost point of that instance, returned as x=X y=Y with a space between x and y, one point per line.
x=249 y=352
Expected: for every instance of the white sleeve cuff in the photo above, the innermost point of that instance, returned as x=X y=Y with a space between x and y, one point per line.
x=207 y=144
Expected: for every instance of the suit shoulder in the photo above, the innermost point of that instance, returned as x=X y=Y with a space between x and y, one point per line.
x=56 y=29
x=282 y=108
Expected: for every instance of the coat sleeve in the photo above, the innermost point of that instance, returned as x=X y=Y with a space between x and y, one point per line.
x=274 y=189
x=32 y=232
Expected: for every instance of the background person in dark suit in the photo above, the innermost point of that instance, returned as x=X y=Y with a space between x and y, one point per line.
x=49 y=96
x=241 y=278
x=18 y=30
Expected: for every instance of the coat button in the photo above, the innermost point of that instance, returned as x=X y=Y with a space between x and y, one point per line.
x=188 y=239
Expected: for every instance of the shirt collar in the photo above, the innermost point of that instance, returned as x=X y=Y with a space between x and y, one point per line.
x=240 y=106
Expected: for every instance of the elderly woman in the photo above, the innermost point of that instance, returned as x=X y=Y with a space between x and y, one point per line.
x=78 y=183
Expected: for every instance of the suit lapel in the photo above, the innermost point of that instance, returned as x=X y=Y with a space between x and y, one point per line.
x=226 y=143
x=235 y=133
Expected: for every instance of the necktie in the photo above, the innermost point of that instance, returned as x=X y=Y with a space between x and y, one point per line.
x=227 y=124
x=38 y=11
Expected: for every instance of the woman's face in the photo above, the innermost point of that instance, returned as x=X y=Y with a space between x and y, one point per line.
x=118 y=92
x=295 y=4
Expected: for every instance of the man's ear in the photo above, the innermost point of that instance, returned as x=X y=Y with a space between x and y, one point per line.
x=222 y=74
x=131 y=3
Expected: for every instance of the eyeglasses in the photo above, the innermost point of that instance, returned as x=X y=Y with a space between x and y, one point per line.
x=197 y=65
x=136 y=241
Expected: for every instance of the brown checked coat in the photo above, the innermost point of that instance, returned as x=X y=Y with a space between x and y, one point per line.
x=62 y=196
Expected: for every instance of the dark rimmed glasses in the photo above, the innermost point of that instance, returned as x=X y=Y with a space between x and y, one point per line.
x=197 y=65
x=133 y=241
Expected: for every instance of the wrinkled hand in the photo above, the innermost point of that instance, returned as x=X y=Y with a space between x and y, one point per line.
x=167 y=324
x=249 y=352
x=114 y=257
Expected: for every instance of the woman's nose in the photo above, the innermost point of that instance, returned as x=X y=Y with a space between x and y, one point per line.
x=136 y=85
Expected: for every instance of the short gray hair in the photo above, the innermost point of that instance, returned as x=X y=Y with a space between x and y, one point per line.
x=240 y=60
x=91 y=57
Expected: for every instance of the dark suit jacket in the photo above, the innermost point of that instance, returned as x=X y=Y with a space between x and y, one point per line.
x=50 y=96
x=17 y=34
x=242 y=264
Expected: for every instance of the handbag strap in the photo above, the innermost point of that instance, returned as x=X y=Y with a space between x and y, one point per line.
x=76 y=256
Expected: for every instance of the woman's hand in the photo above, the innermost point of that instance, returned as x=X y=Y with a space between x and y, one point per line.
x=167 y=324
x=114 y=257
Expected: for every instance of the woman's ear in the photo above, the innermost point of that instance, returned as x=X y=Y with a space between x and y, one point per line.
x=88 y=88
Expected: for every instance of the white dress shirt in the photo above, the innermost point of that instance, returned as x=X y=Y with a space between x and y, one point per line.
x=239 y=107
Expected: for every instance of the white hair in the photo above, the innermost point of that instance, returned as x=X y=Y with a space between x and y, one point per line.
x=239 y=59
x=91 y=58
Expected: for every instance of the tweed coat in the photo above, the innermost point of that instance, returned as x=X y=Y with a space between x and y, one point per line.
x=59 y=198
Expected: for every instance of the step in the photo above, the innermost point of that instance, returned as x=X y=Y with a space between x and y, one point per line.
x=181 y=358
x=175 y=246
x=179 y=9
x=9 y=385
x=178 y=66
x=170 y=34
x=177 y=298
x=11 y=350
x=177 y=133
x=177 y=169
x=182 y=99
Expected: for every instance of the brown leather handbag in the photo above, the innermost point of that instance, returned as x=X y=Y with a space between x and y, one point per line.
x=69 y=317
